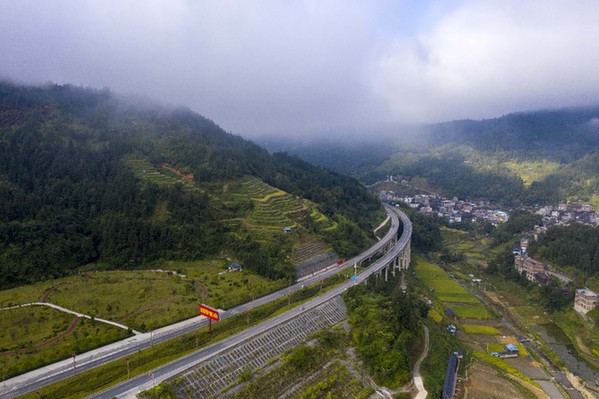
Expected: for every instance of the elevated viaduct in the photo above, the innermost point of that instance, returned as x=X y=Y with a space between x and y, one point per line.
x=257 y=343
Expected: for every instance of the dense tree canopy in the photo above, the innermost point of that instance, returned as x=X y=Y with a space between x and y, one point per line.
x=575 y=245
x=67 y=196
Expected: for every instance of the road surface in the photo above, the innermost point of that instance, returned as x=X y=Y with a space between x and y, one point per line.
x=45 y=376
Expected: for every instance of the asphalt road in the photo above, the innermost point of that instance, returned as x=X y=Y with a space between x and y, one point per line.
x=63 y=372
x=143 y=382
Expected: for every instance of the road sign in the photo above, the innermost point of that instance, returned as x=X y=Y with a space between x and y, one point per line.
x=353 y=278
x=209 y=312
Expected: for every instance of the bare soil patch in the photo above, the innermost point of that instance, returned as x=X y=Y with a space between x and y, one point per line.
x=484 y=382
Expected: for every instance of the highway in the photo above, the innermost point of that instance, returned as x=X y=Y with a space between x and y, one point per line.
x=129 y=388
x=36 y=379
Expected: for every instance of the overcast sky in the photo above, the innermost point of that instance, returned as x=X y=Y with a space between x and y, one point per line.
x=313 y=66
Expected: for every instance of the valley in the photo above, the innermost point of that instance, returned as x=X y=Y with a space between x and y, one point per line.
x=299 y=200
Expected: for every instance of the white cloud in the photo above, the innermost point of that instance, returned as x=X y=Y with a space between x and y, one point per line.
x=313 y=66
x=487 y=58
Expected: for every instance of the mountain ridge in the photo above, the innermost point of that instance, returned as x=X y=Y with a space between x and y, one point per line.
x=68 y=197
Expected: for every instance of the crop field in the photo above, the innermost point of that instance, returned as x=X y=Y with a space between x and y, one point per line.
x=434 y=315
x=472 y=312
x=476 y=252
x=502 y=365
x=445 y=288
x=269 y=210
x=529 y=315
x=530 y=172
x=165 y=175
x=450 y=294
x=498 y=347
x=273 y=210
x=480 y=330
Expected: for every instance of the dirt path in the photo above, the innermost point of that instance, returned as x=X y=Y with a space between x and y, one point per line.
x=203 y=288
x=184 y=176
x=46 y=295
x=422 y=393
x=65 y=310
x=49 y=291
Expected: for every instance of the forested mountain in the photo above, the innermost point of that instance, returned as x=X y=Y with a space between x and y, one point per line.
x=560 y=135
x=490 y=159
x=89 y=176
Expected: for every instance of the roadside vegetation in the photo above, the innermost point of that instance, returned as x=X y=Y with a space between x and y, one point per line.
x=86 y=383
x=319 y=368
x=34 y=336
x=385 y=329
x=27 y=338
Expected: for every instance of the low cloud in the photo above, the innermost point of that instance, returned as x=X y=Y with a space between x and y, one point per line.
x=487 y=58
x=308 y=67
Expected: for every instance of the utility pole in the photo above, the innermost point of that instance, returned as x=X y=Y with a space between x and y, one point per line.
x=74 y=364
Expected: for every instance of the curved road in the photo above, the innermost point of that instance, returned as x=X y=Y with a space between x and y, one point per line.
x=130 y=388
x=39 y=378
x=422 y=393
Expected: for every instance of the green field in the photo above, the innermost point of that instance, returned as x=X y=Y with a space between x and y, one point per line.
x=86 y=383
x=27 y=333
x=147 y=299
x=268 y=210
x=479 y=330
x=434 y=315
x=448 y=293
x=530 y=172
x=499 y=347
x=472 y=311
x=475 y=251
x=141 y=300
x=438 y=281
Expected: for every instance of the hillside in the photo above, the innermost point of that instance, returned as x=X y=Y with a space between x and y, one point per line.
x=521 y=158
x=90 y=177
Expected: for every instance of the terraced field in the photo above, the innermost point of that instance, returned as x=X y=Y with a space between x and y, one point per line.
x=161 y=175
x=270 y=213
x=445 y=292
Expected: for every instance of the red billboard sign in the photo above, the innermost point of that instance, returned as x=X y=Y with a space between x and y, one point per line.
x=209 y=312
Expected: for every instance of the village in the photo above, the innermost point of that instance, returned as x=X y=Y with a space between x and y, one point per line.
x=456 y=211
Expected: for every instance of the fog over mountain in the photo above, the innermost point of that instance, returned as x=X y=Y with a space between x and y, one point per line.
x=314 y=67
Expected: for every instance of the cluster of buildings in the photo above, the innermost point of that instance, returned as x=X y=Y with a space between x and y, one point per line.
x=454 y=210
x=530 y=268
x=568 y=213
x=536 y=271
